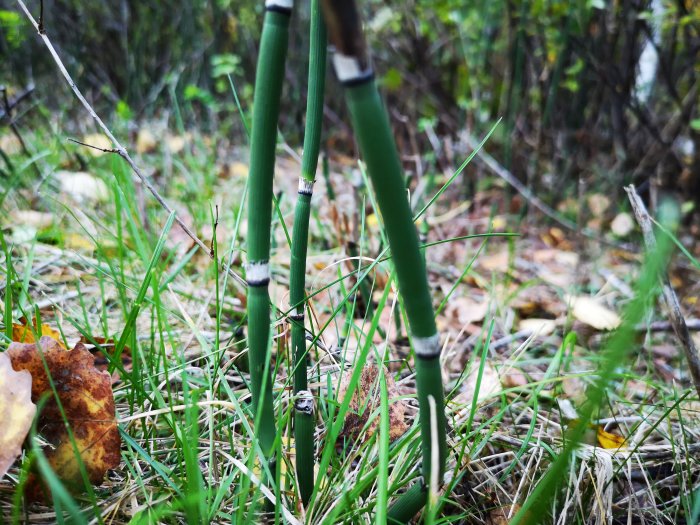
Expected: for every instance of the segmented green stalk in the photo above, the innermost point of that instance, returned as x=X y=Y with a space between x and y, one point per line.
x=304 y=401
x=268 y=89
x=378 y=149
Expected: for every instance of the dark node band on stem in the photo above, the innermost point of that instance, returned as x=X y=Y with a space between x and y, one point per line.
x=299 y=318
x=283 y=7
x=258 y=273
x=350 y=71
x=427 y=347
x=304 y=402
x=306 y=186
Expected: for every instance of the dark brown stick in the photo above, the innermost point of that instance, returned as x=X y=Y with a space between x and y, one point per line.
x=674 y=309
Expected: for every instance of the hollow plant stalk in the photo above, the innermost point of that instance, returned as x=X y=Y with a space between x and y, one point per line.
x=378 y=149
x=304 y=401
x=268 y=89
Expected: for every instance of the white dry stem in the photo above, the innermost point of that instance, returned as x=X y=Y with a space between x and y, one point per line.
x=118 y=148
x=434 y=454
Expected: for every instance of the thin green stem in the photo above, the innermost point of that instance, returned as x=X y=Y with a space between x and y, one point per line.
x=268 y=90
x=378 y=149
x=304 y=421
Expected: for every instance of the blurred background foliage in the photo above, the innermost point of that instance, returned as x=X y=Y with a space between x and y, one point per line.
x=591 y=92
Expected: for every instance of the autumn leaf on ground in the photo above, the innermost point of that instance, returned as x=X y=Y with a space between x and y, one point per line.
x=365 y=400
x=593 y=313
x=489 y=385
x=82 y=187
x=23 y=333
x=87 y=399
x=609 y=440
x=102 y=348
x=16 y=412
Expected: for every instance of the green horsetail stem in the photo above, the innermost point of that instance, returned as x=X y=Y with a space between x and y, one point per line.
x=304 y=402
x=378 y=149
x=266 y=102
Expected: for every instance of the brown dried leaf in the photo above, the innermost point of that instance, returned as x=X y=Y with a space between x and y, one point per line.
x=502 y=515
x=16 y=411
x=366 y=400
x=87 y=399
x=489 y=386
x=467 y=311
x=102 y=350
x=497 y=262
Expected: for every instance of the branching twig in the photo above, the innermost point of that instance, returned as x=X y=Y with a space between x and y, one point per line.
x=674 y=309
x=118 y=148
x=103 y=150
x=11 y=104
x=7 y=106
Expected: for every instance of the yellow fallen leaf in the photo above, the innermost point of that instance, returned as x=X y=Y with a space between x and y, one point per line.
x=10 y=144
x=23 y=333
x=16 y=411
x=75 y=241
x=237 y=170
x=176 y=143
x=537 y=326
x=372 y=221
x=593 y=313
x=499 y=223
x=609 y=440
x=145 y=141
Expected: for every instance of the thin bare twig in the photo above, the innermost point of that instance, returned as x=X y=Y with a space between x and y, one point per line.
x=103 y=150
x=674 y=309
x=666 y=326
x=15 y=128
x=118 y=148
x=16 y=101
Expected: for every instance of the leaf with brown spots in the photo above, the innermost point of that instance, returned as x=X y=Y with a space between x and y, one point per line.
x=16 y=412
x=88 y=402
x=103 y=348
x=365 y=400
